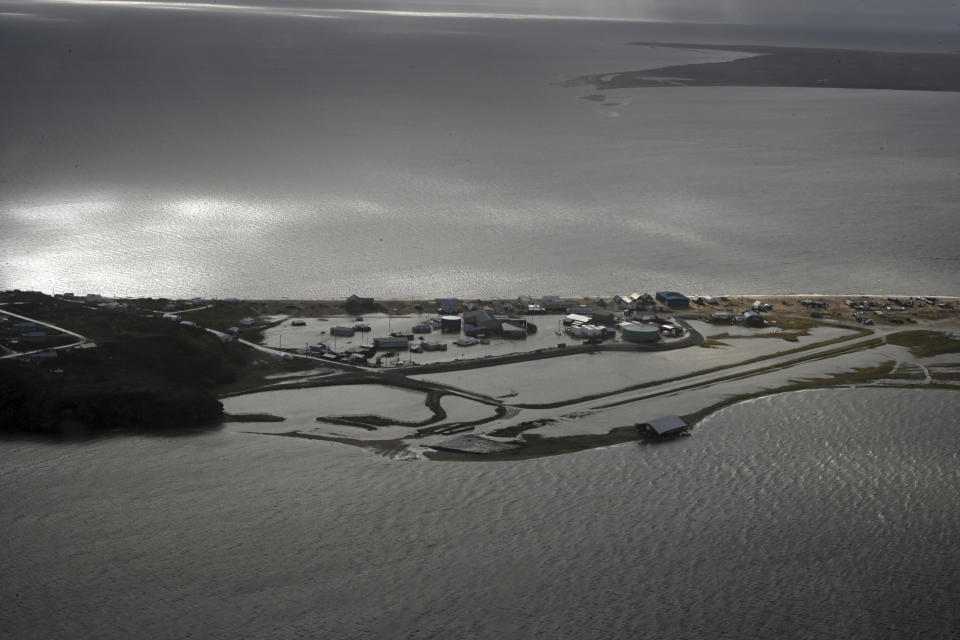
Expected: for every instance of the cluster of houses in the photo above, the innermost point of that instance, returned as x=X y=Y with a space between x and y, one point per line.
x=28 y=336
x=476 y=322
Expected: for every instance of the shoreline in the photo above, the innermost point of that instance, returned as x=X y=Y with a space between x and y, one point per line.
x=771 y=66
x=533 y=397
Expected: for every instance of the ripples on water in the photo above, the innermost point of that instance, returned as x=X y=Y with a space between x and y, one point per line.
x=407 y=157
x=827 y=514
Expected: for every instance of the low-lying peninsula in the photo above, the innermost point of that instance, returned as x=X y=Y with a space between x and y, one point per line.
x=447 y=379
x=797 y=67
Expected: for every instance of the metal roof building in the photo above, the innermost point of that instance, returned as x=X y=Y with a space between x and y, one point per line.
x=667 y=425
x=673 y=300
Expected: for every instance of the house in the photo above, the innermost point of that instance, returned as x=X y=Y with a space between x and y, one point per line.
x=481 y=318
x=34 y=337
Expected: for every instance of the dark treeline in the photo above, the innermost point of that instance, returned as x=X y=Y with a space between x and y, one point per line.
x=165 y=379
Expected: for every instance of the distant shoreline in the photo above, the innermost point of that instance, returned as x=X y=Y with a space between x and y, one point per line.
x=796 y=67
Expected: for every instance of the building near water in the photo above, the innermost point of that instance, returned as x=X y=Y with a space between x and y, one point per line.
x=391 y=342
x=752 y=319
x=450 y=324
x=448 y=306
x=636 y=332
x=673 y=300
x=665 y=426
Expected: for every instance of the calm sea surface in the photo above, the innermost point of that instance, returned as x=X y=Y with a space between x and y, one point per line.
x=233 y=153
x=827 y=514
x=223 y=153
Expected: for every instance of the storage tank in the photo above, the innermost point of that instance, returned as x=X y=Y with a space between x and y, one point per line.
x=633 y=332
x=450 y=324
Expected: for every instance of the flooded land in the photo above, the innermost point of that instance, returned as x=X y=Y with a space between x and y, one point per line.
x=448 y=379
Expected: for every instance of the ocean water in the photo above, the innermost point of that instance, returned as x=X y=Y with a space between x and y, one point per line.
x=268 y=154
x=820 y=514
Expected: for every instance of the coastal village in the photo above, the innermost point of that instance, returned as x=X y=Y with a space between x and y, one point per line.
x=449 y=378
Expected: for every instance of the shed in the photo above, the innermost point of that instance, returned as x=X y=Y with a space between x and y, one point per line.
x=665 y=426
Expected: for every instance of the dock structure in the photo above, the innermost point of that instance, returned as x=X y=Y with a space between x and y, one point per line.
x=664 y=427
